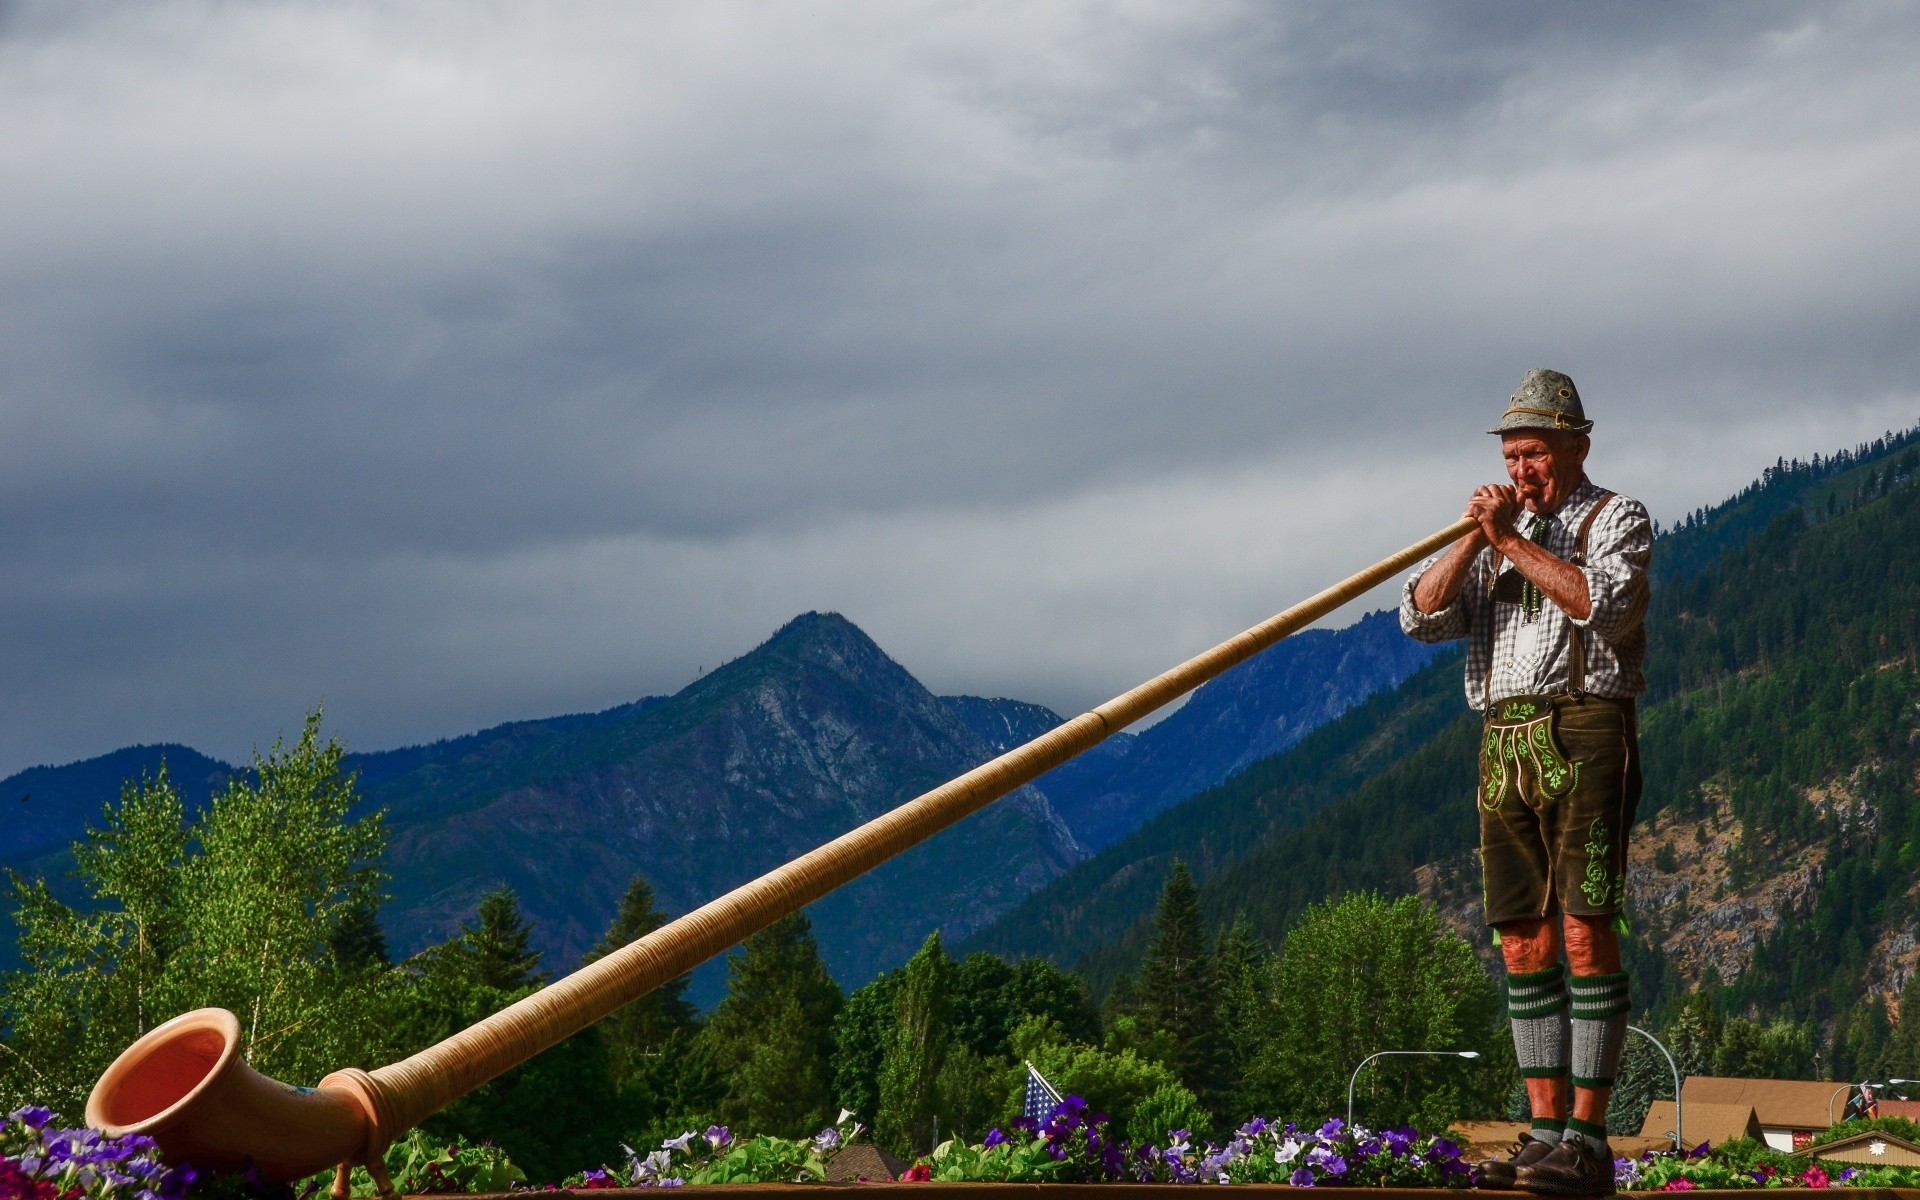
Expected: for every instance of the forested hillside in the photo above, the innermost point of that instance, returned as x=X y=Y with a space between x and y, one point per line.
x=1778 y=743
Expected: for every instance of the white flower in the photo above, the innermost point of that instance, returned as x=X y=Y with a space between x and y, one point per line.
x=842 y=1118
x=1288 y=1151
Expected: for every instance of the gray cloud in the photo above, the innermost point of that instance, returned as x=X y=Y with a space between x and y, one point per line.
x=461 y=364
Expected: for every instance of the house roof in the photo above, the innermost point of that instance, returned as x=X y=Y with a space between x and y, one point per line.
x=1910 y=1109
x=863 y=1160
x=1870 y=1149
x=1778 y=1103
x=1713 y=1123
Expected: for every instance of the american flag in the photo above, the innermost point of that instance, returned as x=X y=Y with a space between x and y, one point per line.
x=1041 y=1099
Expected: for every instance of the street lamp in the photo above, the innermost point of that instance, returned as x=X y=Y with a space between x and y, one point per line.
x=1382 y=1054
x=1678 y=1126
x=1865 y=1083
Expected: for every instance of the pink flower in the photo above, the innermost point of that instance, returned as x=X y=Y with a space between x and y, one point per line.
x=917 y=1173
x=1682 y=1184
x=1815 y=1177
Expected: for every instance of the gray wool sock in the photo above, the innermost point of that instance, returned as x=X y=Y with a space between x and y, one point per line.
x=1599 y=1020
x=1537 y=1008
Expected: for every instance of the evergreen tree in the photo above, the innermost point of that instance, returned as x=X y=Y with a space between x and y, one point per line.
x=357 y=941
x=499 y=947
x=637 y=1032
x=771 y=1036
x=915 y=1053
x=1244 y=969
x=1179 y=991
x=1694 y=1036
x=1903 y=1049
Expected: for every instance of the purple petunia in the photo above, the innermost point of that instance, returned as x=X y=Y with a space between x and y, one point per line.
x=994 y=1138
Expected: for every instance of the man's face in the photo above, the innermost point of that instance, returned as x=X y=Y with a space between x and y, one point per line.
x=1545 y=467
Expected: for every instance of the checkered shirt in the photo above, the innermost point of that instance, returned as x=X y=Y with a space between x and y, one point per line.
x=1532 y=657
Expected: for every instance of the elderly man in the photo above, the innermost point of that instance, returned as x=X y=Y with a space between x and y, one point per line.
x=1551 y=594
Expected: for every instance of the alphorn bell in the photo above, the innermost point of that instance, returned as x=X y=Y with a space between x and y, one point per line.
x=186 y=1085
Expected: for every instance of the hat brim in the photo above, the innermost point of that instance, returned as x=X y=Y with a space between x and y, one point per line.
x=1514 y=422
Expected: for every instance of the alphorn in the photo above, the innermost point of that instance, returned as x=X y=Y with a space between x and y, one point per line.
x=186 y=1084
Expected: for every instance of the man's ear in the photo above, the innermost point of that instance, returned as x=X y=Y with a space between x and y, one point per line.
x=1581 y=445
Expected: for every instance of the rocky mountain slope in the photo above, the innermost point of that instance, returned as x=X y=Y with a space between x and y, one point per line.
x=780 y=750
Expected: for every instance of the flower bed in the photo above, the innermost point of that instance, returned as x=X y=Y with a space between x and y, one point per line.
x=1072 y=1146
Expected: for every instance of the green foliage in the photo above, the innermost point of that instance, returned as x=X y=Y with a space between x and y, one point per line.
x=915 y=1053
x=421 y=1164
x=1361 y=974
x=244 y=908
x=771 y=1037
x=1120 y=1084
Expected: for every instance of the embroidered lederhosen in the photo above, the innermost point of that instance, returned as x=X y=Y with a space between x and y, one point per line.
x=1559 y=785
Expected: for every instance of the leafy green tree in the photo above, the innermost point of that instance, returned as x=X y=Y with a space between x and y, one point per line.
x=1143 y=1097
x=1361 y=974
x=637 y=1033
x=1179 y=991
x=916 y=1052
x=1777 y=1049
x=242 y=909
x=860 y=1037
x=771 y=1036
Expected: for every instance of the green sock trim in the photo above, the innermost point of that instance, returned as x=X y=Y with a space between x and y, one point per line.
x=1586 y=1128
x=1582 y=1081
x=1591 y=982
x=1535 y=978
x=1551 y=1124
x=1559 y=1072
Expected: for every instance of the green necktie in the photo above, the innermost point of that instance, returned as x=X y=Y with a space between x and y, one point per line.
x=1530 y=596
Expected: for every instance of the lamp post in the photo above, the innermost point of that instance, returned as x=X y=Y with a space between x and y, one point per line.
x=1679 y=1126
x=1865 y=1083
x=1383 y=1053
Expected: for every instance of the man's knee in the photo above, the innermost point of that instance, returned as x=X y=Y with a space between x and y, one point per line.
x=1593 y=948
x=1530 y=945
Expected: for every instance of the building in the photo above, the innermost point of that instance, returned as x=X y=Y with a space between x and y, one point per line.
x=1866 y=1150
x=1711 y=1123
x=1788 y=1112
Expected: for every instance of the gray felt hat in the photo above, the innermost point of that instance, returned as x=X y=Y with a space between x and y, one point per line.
x=1545 y=400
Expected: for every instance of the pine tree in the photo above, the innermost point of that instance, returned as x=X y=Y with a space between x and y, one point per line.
x=1179 y=992
x=1903 y=1050
x=1694 y=1036
x=498 y=947
x=916 y=1052
x=636 y=1033
x=771 y=1036
x=1244 y=970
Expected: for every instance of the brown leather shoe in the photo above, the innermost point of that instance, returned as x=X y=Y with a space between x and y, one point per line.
x=1499 y=1172
x=1573 y=1168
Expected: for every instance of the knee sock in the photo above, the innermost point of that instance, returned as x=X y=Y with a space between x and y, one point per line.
x=1537 y=1009
x=1600 y=1007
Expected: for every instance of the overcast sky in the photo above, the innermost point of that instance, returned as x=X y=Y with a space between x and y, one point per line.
x=456 y=363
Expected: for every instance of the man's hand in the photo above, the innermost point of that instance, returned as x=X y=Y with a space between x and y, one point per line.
x=1494 y=506
x=1440 y=585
